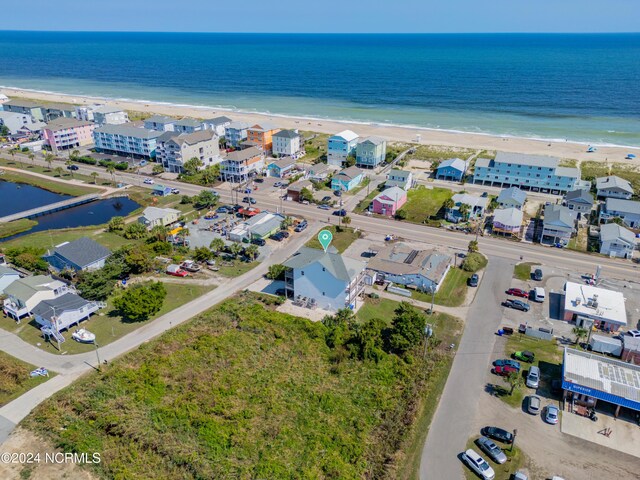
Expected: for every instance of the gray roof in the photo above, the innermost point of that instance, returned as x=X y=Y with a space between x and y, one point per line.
x=613 y=231
x=218 y=120
x=483 y=162
x=401 y=259
x=557 y=215
x=403 y=174
x=64 y=107
x=48 y=309
x=188 y=122
x=512 y=193
x=299 y=186
x=264 y=126
x=246 y=154
x=456 y=163
x=105 y=109
x=620 y=205
x=342 y=268
x=24 y=288
x=607 y=183
x=283 y=162
x=286 y=134
x=264 y=222
x=525 y=159
x=570 y=172
x=82 y=252
x=511 y=217
x=579 y=196
x=7 y=271
x=18 y=102
x=63 y=123
x=195 y=137
x=373 y=139
x=160 y=119
x=166 y=136
x=350 y=173
x=238 y=125
x=128 y=131
x=156 y=213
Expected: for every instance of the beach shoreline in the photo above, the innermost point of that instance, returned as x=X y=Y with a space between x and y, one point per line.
x=392 y=133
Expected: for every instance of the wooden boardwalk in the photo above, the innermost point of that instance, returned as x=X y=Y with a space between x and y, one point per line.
x=52 y=207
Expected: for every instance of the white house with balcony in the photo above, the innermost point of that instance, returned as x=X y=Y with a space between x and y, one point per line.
x=286 y=143
x=617 y=241
x=62 y=312
x=626 y=210
x=24 y=294
x=613 y=187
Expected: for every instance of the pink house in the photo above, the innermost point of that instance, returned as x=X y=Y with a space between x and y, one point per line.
x=389 y=201
x=68 y=133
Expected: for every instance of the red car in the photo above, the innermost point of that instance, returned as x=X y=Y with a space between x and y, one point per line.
x=517 y=292
x=504 y=370
x=178 y=273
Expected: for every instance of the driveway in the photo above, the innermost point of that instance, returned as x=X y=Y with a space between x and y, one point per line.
x=453 y=421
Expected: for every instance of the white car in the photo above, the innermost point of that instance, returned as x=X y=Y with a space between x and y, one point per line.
x=478 y=464
x=148 y=181
x=634 y=333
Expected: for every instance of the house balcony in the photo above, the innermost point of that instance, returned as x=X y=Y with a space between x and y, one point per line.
x=15 y=310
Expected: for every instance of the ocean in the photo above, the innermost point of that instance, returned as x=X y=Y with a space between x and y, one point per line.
x=580 y=87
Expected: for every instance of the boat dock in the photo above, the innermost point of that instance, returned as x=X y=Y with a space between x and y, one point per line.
x=52 y=207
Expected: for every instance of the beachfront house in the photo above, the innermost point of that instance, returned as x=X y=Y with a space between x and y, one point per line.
x=322 y=279
x=154 y=216
x=399 y=178
x=507 y=221
x=83 y=254
x=511 y=197
x=68 y=134
x=579 y=201
x=286 y=143
x=389 y=201
x=452 y=169
x=347 y=179
x=63 y=312
x=235 y=133
x=187 y=125
x=126 y=140
x=15 y=121
x=7 y=277
x=626 y=210
x=241 y=165
x=340 y=146
x=613 y=187
x=260 y=135
x=160 y=123
x=24 y=294
x=476 y=206
x=528 y=172
x=174 y=149
x=371 y=152
x=399 y=263
x=558 y=225
x=217 y=125
x=53 y=111
x=282 y=167
x=617 y=241
x=26 y=107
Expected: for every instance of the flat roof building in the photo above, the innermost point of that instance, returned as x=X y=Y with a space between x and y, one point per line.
x=605 y=307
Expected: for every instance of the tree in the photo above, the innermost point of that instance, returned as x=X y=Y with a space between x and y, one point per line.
x=251 y=251
x=350 y=161
x=474 y=262
x=210 y=174
x=368 y=339
x=580 y=332
x=205 y=199
x=48 y=157
x=4 y=131
x=286 y=223
x=448 y=204
x=68 y=163
x=339 y=327
x=464 y=210
x=157 y=169
x=111 y=170
x=58 y=171
x=473 y=246
x=159 y=233
x=95 y=176
x=216 y=245
x=276 y=272
x=99 y=284
x=141 y=301
x=74 y=155
x=346 y=220
x=139 y=260
x=192 y=166
x=135 y=231
x=235 y=249
x=116 y=224
x=186 y=200
x=31 y=157
x=31 y=262
x=202 y=254
x=401 y=214
x=306 y=195
x=515 y=381
x=407 y=328
x=13 y=152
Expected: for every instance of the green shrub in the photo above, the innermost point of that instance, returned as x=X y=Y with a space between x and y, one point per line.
x=474 y=262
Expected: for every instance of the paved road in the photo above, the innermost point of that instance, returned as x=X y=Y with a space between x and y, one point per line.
x=454 y=418
x=71 y=367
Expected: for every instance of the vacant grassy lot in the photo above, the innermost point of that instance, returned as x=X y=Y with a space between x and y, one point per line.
x=423 y=203
x=341 y=239
x=15 y=227
x=522 y=271
x=579 y=242
x=46 y=184
x=451 y=293
x=437 y=152
x=15 y=378
x=592 y=169
x=363 y=205
x=316 y=147
x=107 y=324
x=242 y=392
x=377 y=308
x=515 y=460
x=235 y=267
x=50 y=238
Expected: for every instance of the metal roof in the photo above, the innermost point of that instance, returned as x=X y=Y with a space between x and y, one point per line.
x=525 y=159
x=471 y=200
x=342 y=268
x=82 y=252
x=48 y=309
x=455 y=163
x=346 y=135
x=623 y=206
x=394 y=193
x=613 y=231
x=512 y=193
x=156 y=213
x=511 y=217
x=613 y=181
x=373 y=139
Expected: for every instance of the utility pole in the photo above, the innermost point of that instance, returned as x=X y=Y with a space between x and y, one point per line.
x=515 y=433
x=97 y=354
x=433 y=297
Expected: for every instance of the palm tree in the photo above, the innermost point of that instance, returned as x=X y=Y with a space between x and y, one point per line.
x=235 y=249
x=160 y=232
x=49 y=157
x=448 y=204
x=580 y=332
x=95 y=177
x=58 y=171
x=31 y=157
x=68 y=163
x=74 y=155
x=112 y=171
x=13 y=152
x=465 y=210
x=515 y=380
x=216 y=245
x=346 y=220
x=251 y=251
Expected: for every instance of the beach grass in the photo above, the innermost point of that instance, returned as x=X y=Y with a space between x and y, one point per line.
x=15 y=379
x=315 y=147
x=437 y=152
x=424 y=203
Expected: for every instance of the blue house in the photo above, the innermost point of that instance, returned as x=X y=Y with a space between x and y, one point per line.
x=281 y=168
x=347 y=179
x=452 y=169
x=161 y=190
x=340 y=146
x=82 y=254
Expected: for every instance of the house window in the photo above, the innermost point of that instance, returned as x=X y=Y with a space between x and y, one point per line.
x=324 y=269
x=323 y=294
x=302 y=272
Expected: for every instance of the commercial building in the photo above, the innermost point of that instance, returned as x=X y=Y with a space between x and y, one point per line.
x=240 y=165
x=626 y=210
x=340 y=146
x=83 y=254
x=327 y=280
x=160 y=123
x=452 y=169
x=613 y=187
x=26 y=107
x=529 y=172
x=512 y=197
x=371 y=152
x=399 y=178
x=173 y=150
x=507 y=221
x=126 y=140
x=606 y=308
x=294 y=191
x=286 y=143
x=235 y=133
x=53 y=111
x=617 y=241
x=68 y=133
x=261 y=225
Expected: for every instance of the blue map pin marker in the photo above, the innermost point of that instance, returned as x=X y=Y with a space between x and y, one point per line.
x=325 y=237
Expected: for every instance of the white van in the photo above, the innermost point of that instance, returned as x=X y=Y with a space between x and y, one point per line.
x=538 y=294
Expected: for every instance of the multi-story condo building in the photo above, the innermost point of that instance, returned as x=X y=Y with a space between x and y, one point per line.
x=340 y=146
x=240 y=165
x=68 y=133
x=18 y=105
x=528 y=172
x=286 y=143
x=126 y=140
x=217 y=124
x=15 y=121
x=160 y=123
x=371 y=152
x=58 y=110
x=261 y=136
x=174 y=150
x=106 y=115
x=188 y=125
x=235 y=133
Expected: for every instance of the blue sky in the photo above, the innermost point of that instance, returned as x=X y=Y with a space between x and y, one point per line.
x=324 y=15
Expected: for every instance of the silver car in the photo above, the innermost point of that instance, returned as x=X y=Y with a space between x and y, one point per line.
x=534 y=405
x=490 y=448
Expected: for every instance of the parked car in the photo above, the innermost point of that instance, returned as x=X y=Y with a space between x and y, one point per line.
x=258 y=180
x=73 y=167
x=340 y=213
x=503 y=362
x=634 y=333
x=478 y=464
x=516 y=305
x=473 y=280
x=533 y=404
x=337 y=193
x=326 y=198
x=551 y=414
x=518 y=292
x=520 y=476
x=284 y=234
x=278 y=237
x=525 y=356
x=277 y=184
x=497 y=434
x=533 y=377
x=537 y=274
x=222 y=209
x=259 y=241
x=505 y=370
x=301 y=226
x=484 y=194
x=143 y=163
x=489 y=447
x=324 y=207
x=175 y=191
x=247 y=190
x=148 y=181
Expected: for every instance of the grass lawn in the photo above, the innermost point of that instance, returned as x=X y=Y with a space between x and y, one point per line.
x=51 y=185
x=377 y=308
x=243 y=391
x=50 y=238
x=314 y=148
x=235 y=268
x=15 y=227
x=363 y=205
x=362 y=185
x=522 y=271
x=106 y=324
x=341 y=240
x=423 y=203
x=452 y=292
x=515 y=461
x=15 y=379
x=579 y=242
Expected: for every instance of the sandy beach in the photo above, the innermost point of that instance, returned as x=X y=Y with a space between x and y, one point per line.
x=570 y=150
